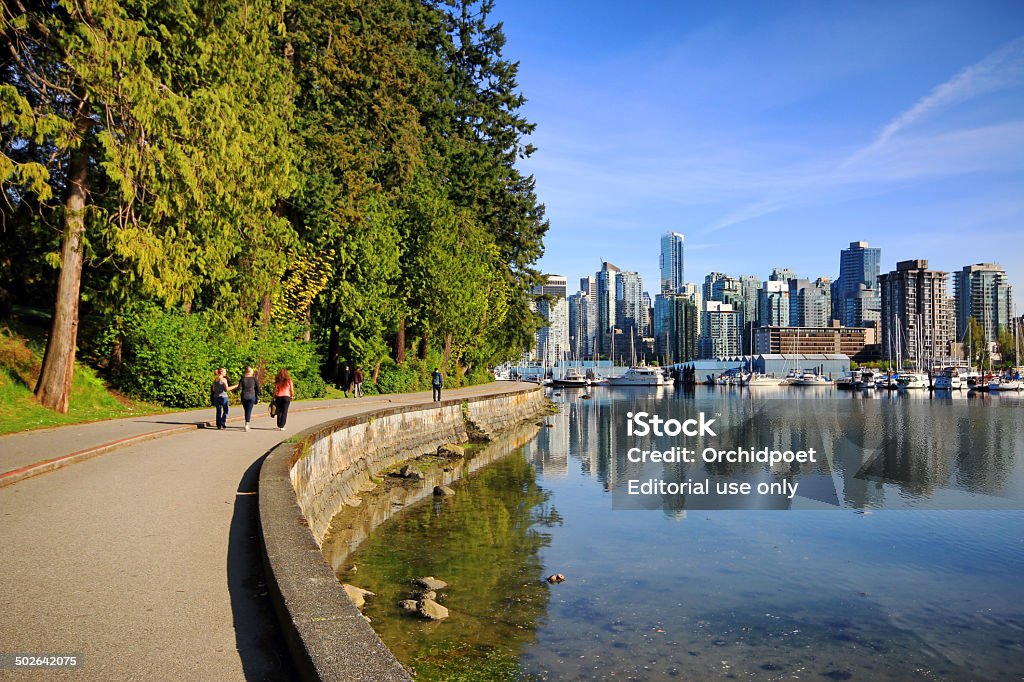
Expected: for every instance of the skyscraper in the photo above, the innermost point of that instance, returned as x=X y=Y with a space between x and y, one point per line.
x=552 y=340
x=982 y=291
x=773 y=304
x=917 y=313
x=607 y=284
x=630 y=311
x=581 y=325
x=857 y=287
x=810 y=303
x=671 y=263
x=719 y=330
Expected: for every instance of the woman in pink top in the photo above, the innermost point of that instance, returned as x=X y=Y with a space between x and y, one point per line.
x=284 y=391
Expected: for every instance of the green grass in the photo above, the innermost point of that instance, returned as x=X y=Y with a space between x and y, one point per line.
x=91 y=400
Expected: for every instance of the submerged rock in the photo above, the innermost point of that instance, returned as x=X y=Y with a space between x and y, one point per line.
x=409 y=605
x=429 y=595
x=357 y=594
x=428 y=608
x=443 y=491
x=430 y=583
x=451 y=450
x=556 y=578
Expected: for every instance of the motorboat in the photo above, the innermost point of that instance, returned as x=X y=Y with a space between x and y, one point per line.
x=851 y=382
x=639 y=376
x=763 y=380
x=887 y=382
x=948 y=380
x=912 y=380
x=811 y=379
x=571 y=379
x=1007 y=382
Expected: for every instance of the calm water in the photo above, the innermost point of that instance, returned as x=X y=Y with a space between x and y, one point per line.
x=901 y=557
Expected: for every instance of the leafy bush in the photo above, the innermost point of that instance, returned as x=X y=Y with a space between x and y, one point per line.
x=169 y=356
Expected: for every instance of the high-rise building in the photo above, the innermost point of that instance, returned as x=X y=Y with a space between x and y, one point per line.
x=581 y=325
x=810 y=303
x=671 y=263
x=773 y=304
x=552 y=340
x=781 y=275
x=648 y=315
x=675 y=338
x=588 y=285
x=856 y=291
x=750 y=285
x=709 y=284
x=692 y=293
x=982 y=291
x=606 y=284
x=719 y=330
x=917 y=314
x=630 y=310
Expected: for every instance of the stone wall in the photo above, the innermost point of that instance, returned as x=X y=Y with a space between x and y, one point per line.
x=335 y=464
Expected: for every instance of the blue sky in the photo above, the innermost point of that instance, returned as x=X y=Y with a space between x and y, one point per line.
x=773 y=134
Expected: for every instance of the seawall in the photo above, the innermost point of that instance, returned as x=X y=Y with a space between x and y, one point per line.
x=307 y=481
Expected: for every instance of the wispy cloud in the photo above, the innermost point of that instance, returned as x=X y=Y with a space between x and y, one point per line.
x=892 y=156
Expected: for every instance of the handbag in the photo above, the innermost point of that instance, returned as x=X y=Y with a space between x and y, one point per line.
x=273 y=408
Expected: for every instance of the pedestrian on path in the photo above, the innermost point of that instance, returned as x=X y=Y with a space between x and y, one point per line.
x=357 y=383
x=284 y=391
x=219 y=397
x=437 y=381
x=248 y=393
x=344 y=380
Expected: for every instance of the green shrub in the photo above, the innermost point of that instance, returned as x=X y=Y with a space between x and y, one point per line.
x=169 y=357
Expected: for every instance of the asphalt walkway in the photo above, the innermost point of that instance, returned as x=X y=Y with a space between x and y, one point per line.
x=145 y=558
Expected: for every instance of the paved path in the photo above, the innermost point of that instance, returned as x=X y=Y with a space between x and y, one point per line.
x=146 y=559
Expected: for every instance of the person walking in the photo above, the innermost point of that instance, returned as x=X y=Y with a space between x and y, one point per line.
x=437 y=381
x=284 y=391
x=247 y=392
x=357 y=386
x=219 y=397
x=344 y=380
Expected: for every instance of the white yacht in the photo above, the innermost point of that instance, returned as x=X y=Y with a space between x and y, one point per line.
x=763 y=380
x=639 y=376
x=949 y=380
x=811 y=379
x=912 y=380
x=571 y=379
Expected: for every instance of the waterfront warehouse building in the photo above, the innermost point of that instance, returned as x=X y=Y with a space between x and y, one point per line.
x=917 y=314
x=833 y=365
x=857 y=343
x=982 y=291
x=858 y=301
x=671 y=263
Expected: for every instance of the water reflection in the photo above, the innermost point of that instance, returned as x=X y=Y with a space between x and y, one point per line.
x=894 y=450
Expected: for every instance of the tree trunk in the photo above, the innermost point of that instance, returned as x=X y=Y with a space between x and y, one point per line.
x=400 y=342
x=424 y=346
x=54 y=387
x=446 y=354
x=333 y=352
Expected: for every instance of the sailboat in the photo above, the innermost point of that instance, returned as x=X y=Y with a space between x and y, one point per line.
x=1011 y=379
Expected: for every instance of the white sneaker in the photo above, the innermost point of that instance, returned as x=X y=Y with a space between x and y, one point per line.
x=280 y=428
x=246 y=426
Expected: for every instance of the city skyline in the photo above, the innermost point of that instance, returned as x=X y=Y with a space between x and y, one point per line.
x=770 y=135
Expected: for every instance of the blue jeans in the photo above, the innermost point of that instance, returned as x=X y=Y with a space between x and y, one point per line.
x=221 y=403
x=247 y=404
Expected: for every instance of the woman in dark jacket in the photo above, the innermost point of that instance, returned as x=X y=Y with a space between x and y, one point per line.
x=247 y=392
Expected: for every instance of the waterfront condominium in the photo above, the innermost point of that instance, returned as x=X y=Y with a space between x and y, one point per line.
x=720 y=330
x=982 y=291
x=917 y=314
x=582 y=313
x=552 y=340
x=630 y=311
x=857 y=301
x=606 y=280
x=671 y=263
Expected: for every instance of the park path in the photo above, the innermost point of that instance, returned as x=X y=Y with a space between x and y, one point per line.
x=146 y=559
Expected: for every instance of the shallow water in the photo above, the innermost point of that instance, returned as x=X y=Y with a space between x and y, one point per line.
x=902 y=557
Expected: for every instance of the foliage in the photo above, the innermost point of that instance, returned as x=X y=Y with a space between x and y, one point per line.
x=170 y=357
x=1008 y=343
x=336 y=170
